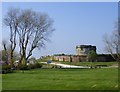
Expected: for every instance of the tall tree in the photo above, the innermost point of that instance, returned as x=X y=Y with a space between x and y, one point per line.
x=112 y=42
x=31 y=28
x=11 y=22
x=33 y=31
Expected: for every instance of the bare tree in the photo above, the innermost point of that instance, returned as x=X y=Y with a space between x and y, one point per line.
x=4 y=43
x=11 y=21
x=112 y=43
x=31 y=28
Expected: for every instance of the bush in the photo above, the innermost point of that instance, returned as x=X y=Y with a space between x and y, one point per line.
x=23 y=67
x=30 y=66
x=6 y=69
x=38 y=65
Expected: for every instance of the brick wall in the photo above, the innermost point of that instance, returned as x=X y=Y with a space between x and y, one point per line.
x=83 y=58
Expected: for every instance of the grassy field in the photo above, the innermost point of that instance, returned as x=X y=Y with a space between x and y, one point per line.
x=62 y=79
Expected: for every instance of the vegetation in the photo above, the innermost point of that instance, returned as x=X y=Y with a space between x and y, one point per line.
x=30 y=28
x=62 y=79
x=92 y=55
x=6 y=69
x=112 y=42
x=28 y=67
x=4 y=55
x=45 y=59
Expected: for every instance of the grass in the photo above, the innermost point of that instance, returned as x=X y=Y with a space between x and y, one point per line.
x=0 y=82
x=62 y=79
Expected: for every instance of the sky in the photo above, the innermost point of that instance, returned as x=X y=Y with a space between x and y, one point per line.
x=75 y=23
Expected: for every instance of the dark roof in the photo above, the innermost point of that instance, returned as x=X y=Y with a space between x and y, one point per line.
x=84 y=46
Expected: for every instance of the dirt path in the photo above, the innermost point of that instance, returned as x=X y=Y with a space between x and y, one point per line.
x=66 y=66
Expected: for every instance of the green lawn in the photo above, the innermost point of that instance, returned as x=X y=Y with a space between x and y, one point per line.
x=62 y=79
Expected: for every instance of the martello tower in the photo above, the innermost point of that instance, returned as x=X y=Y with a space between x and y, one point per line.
x=84 y=49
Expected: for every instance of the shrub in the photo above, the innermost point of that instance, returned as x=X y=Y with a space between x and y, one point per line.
x=6 y=69
x=38 y=65
x=31 y=66
x=23 y=67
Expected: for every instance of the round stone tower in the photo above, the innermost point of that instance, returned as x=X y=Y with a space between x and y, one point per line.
x=84 y=49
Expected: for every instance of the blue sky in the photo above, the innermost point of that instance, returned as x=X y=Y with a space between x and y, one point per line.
x=75 y=23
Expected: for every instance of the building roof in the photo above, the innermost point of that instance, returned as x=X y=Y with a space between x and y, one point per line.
x=84 y=46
